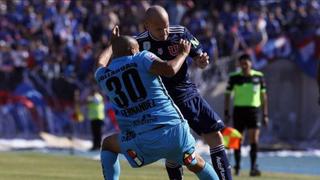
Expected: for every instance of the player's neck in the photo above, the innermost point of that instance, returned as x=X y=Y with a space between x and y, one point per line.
x=246 y=72
x=121 y=55
x=154 y=38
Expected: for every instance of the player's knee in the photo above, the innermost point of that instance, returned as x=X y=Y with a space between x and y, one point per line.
x=111 y=143
x=197 y=166
x=213 y=139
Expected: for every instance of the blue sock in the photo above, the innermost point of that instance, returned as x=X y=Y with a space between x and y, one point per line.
x=220 y=162
x=207 y=173
x=110 y=165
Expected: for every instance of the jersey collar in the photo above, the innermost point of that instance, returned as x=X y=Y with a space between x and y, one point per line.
x=152 y=37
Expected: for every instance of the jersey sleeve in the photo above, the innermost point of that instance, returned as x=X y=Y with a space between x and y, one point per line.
x=230 y=85
x=263 y=84
x=147 y=59
x=98 y=73
x=196 y=47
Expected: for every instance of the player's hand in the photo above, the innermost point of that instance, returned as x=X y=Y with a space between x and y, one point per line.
x=184 y=47
x=265 y=120
x=115 y=33
x=202 y=60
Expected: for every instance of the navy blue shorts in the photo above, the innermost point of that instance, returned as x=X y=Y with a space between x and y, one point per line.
x=200 y=116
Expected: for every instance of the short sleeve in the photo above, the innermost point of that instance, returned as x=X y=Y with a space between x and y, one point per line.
x=230 y=85
x=196 y=47
x=263 y=84
x=147 y=59
x=98 y=73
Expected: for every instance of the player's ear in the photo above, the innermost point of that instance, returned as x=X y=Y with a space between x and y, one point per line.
x=134 y=50
x=146 y=24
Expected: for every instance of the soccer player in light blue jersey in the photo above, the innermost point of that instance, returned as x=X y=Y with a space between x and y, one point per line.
x=151 y=125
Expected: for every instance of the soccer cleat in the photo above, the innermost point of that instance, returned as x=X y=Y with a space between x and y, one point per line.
x=236 y=171
x=255 y=172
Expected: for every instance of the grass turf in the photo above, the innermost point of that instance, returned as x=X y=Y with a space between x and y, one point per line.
x=38 y=166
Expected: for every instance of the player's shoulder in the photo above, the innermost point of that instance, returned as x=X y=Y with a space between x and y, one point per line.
x=176 y=29
x=142 y=36
x=142 y=55
x=100 y=71
x=257 y=73
x=234 y=74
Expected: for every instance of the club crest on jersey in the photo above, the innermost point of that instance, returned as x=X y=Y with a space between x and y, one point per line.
x=133 y=155
x=173 y=50
x=188 y=158
x=160 y=51
x=146 y=45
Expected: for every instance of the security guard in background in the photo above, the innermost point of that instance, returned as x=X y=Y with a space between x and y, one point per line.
x=249 y=94
x=96 y=114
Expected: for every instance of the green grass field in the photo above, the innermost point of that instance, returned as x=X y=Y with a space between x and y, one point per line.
x=37 y=166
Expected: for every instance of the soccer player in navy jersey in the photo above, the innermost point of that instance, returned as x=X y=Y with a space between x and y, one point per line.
x=162 y=39
x=151 y=125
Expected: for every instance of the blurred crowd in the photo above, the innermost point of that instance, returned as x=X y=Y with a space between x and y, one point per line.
x=50 y=45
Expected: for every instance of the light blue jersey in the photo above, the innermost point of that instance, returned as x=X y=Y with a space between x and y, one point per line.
x=151 y=125
x=139 y=98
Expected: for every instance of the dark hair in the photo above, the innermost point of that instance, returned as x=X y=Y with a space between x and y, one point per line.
x=245 y=57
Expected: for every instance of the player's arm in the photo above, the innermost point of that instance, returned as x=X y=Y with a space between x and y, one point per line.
x=199 y=57
x=227 y=100
x=264 y=102
x=105 y=56
x=170 y=68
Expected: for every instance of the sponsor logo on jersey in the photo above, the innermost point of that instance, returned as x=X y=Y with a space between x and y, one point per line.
x=146 y=119
x=152 y=56
x=160 y=51
x=255 y=80
x=194 y=42
x=146 y=45
x=173 y=50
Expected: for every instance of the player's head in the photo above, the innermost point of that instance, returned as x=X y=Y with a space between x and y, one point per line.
x=124 y=46
x=157 y=22
x=245 y=62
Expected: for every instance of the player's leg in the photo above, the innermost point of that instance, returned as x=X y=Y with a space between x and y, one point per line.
x=253 y=125
x=239 y=118
x=202 y=169
x=183 y=152
x=174 y=170
x=209 y=126
x=218 y=155
x=109 y=157
x=253 y=139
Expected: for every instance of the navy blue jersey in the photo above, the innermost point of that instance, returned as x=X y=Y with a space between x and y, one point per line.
x=180 y=86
